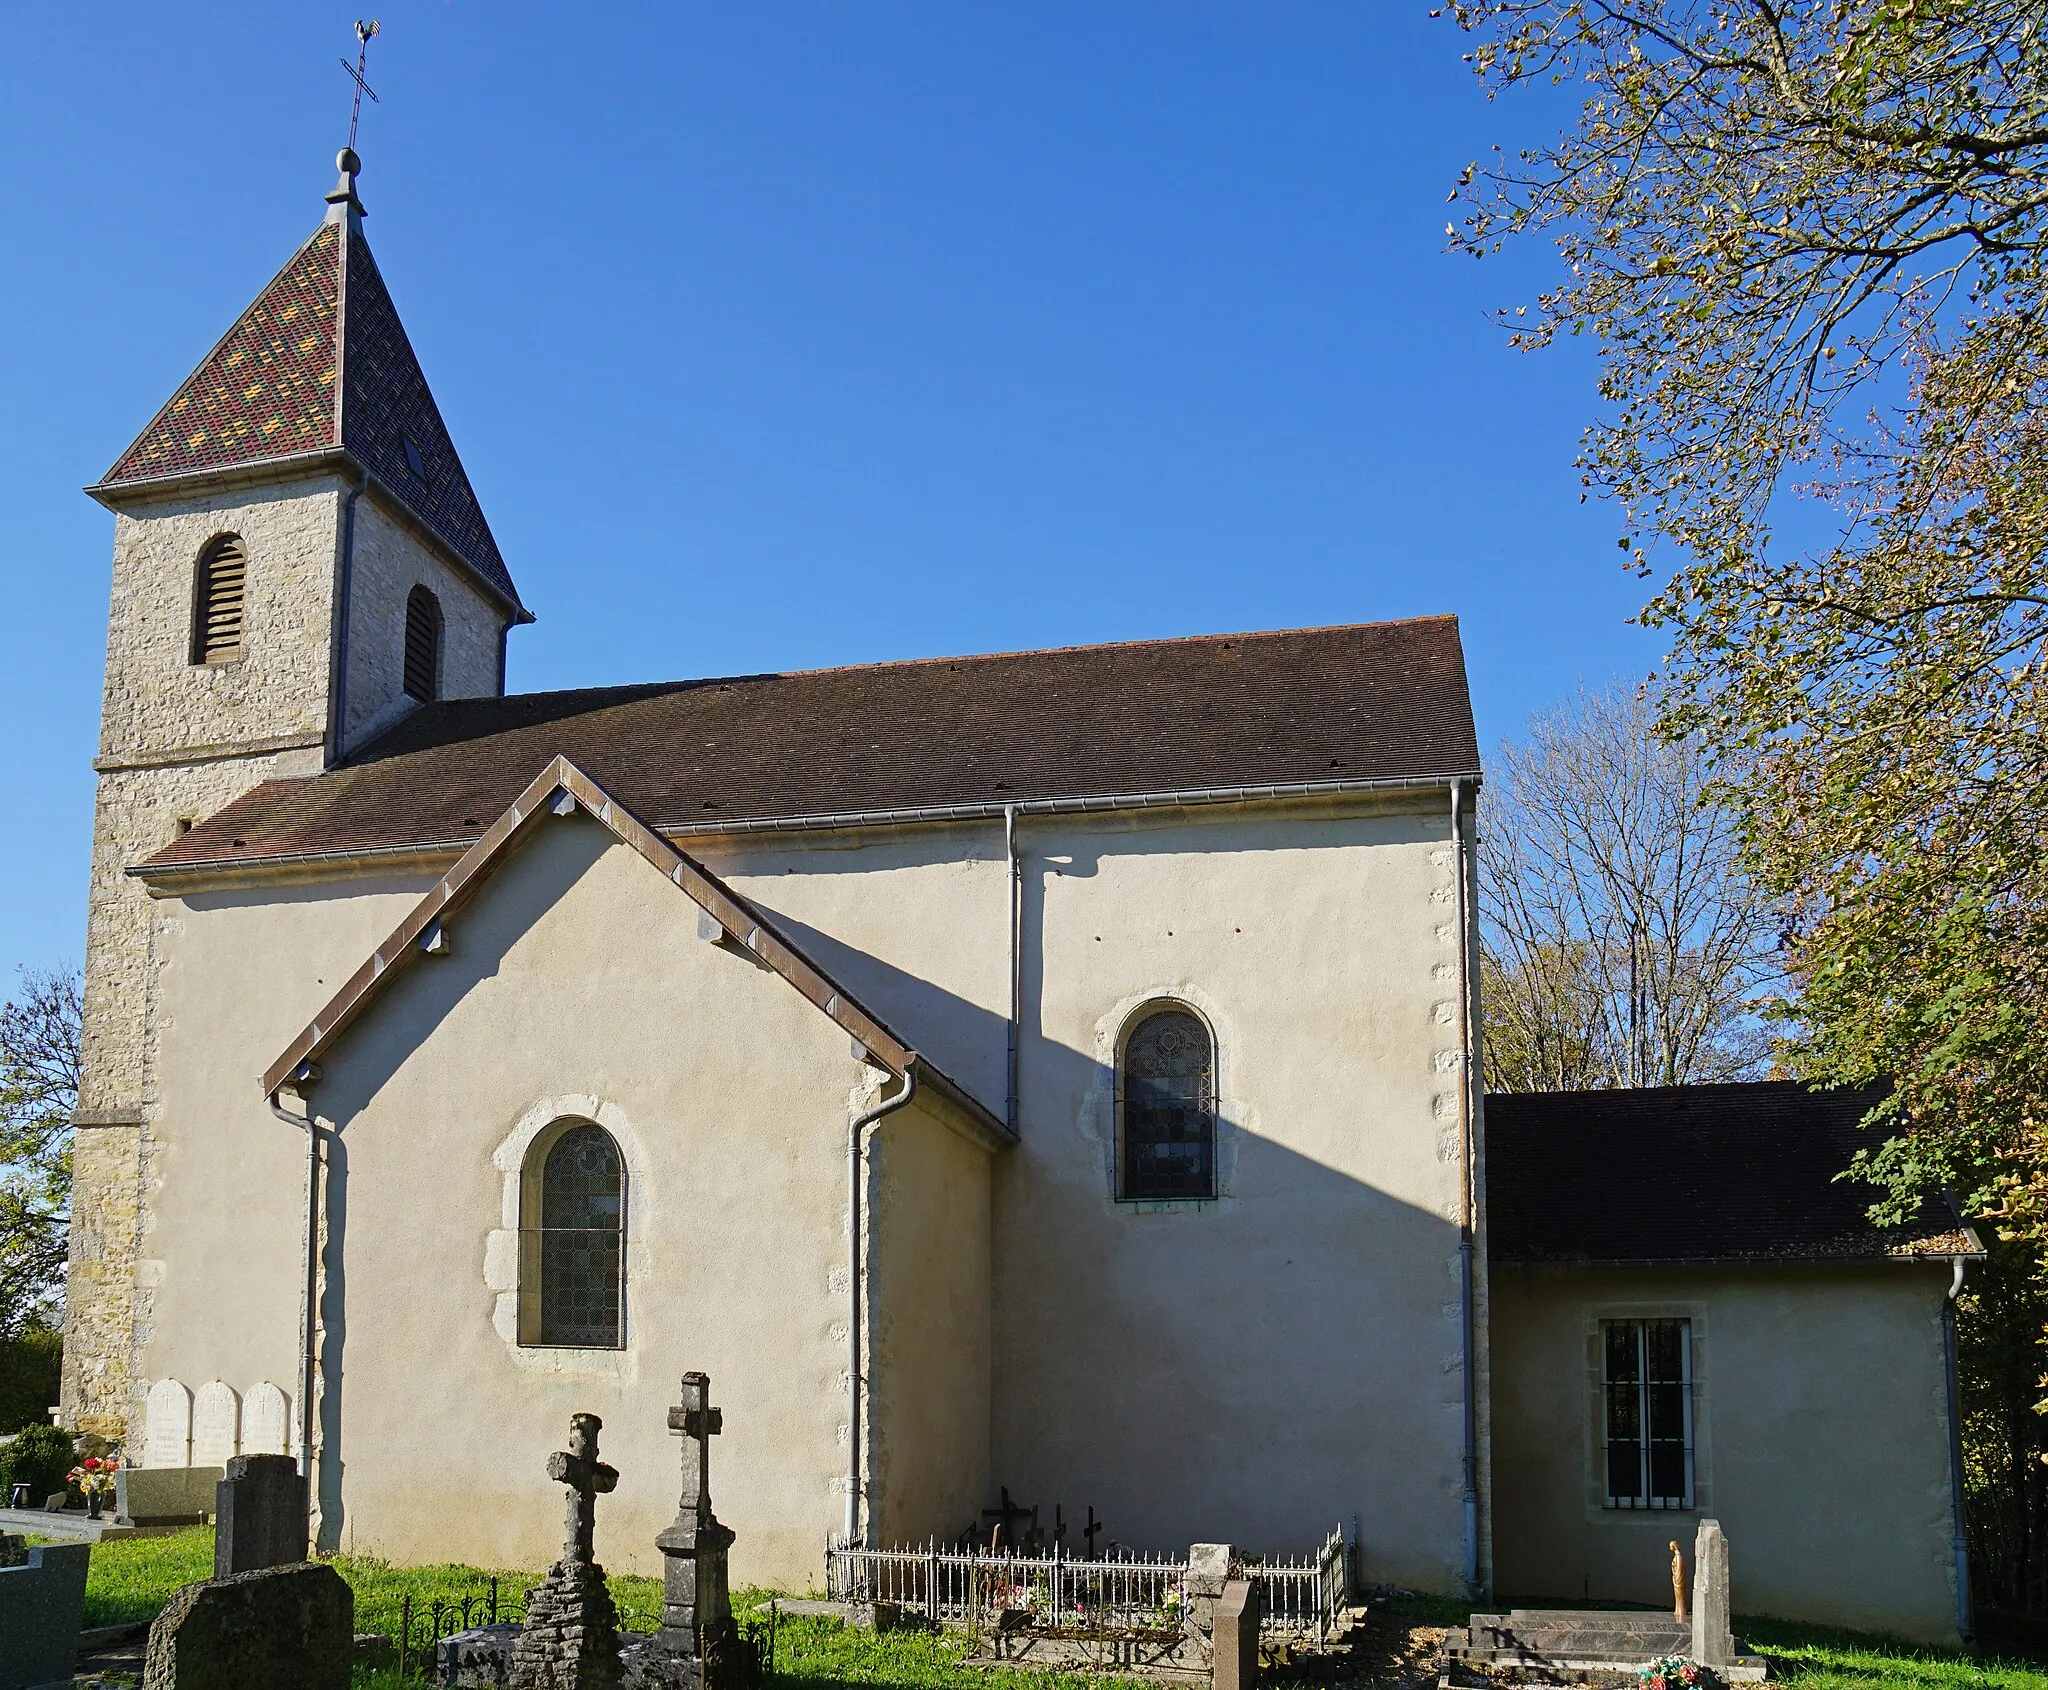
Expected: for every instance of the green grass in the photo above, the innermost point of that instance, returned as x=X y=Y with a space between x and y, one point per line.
x=131 y=1578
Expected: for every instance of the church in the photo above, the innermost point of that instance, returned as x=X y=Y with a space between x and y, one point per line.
x=1050 y=1073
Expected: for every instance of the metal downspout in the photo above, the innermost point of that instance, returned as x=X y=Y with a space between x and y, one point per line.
x=859 y=1125
x=309 y=1320
x=337 y=712
x=1966 y=1618
x=1016 y=868
x=1466 y=1207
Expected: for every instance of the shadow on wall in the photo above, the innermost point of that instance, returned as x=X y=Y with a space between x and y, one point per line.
x=1252 y=1369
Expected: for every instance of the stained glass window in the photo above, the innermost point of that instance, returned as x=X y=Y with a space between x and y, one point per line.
x=582 y=1238
x=1647 y=1382
x=1168 y=1130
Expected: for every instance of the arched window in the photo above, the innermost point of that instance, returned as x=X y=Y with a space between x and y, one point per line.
x=1166 y=1108
x=218 y=589
x=574 y=1254
x=423 y=645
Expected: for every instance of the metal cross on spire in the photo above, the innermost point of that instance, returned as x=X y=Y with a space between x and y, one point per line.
x=363 y=33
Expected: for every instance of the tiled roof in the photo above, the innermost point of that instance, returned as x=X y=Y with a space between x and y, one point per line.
x=267 y=390
x=321 y=361
x=1379 y=702
x=1738 y=1172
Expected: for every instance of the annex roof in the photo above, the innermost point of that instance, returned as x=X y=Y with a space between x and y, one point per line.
x=560 y=789
x=1736 y=1173
x=319 y=367
x=1322 y=708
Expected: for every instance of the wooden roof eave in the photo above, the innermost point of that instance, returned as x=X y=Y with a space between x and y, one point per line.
x=558 y=788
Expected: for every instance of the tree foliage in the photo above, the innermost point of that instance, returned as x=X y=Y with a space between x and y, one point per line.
x=1623 y=945
x=39 y=1058
x=1807 y=236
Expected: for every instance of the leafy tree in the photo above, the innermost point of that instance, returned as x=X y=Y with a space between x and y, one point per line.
x=30 y=1366
x=1623 y=945
x=39 y=1456
x=39 y=1057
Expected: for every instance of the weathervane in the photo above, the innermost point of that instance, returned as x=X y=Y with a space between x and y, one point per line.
x=363 y=33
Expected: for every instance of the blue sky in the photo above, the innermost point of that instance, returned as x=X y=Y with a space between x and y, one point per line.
x=777 y=335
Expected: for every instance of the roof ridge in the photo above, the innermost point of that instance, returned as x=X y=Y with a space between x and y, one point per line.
x=1102 y=645
x=975 y=657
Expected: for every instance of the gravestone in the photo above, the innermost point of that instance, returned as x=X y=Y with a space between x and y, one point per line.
x=167 y=1441
x=1234 y=1662
x=216 y=1424
x=1208 y=1572
x=42 y=1601
x=279 y=1626
x=259 y=1515
x=266 y=1421
x=696 y=1612
x=571 y=1637
x=1713 y=1639
x=165 y=1496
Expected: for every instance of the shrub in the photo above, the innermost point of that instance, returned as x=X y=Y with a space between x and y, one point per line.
x=29 y=1366
x=38 y=1457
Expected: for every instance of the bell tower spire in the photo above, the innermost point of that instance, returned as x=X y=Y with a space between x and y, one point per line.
x=300 y=562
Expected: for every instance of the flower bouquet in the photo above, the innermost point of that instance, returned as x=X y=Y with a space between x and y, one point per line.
x=93 y=1478
x=1675 y=1672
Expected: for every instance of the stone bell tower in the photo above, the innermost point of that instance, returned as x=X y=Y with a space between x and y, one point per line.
x=299 y=563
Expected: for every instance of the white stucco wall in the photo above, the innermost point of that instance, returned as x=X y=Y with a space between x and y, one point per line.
x=1821 y=1437
x=577 y=985
x=929 y=1345
x=1257 y=1369
x=1262 y=1368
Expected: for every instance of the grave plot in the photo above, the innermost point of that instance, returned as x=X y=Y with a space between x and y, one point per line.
x=1040 y=1605
x=1595 y=1646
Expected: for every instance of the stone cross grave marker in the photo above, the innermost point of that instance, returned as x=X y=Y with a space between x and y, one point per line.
x=586 y=1478
x=696 y=1616
x=571 y=1637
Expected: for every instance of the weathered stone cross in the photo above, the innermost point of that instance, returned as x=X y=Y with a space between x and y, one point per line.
x=579 y=1468
x=696 y=1616
x=699 y=1423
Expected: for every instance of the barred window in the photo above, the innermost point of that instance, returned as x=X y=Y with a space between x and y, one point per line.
x=218 y=595
x=1647 y=1384
x=423 y=645
x=581 y=1242
x=1166 y=1130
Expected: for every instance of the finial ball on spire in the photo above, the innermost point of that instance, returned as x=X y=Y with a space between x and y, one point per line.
x=347 y=163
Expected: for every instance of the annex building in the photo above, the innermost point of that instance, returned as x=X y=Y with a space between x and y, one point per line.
x=1051 y=1071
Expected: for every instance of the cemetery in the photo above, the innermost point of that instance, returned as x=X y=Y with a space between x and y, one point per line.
x=1008 y=1603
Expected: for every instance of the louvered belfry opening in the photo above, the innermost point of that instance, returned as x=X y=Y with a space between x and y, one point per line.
x=218 y=596
x=422 y=645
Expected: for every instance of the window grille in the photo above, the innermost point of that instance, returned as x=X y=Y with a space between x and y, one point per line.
x=1647 y=1384
x=1167 y=1130
x=582 y=1240
x=218 y=598
x=423 y=645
